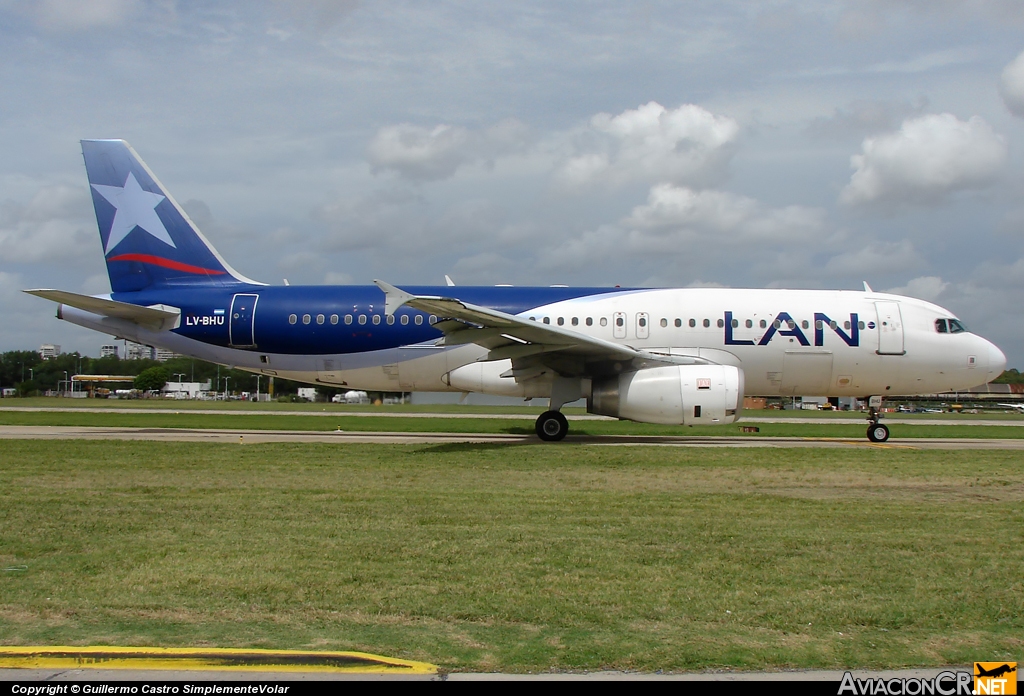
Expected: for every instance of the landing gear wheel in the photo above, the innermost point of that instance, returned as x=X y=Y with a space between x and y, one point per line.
x=552 y=426
x=878 y=432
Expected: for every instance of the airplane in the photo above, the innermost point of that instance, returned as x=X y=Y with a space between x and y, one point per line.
x=654 y=355
x=1019 y=408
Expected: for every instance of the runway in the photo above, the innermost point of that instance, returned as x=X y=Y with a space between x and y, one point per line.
x=47 y=432
x=383 y=413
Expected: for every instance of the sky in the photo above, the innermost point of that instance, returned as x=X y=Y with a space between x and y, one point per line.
x=734 y=144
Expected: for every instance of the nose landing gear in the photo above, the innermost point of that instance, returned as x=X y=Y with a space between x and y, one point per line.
x=876 y=431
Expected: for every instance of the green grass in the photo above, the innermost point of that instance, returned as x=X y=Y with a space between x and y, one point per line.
x=316 y=423
x=481 y=557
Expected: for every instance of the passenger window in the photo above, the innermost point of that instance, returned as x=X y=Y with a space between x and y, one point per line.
x=693 y=323
x=805 y=324
x=320 y=318
x=348 y=319
x=391 y=319
x=642 y=322
x=590 y=321
x=679 y=323
x=292 y=318
x=664 y=323
x=619 y=321
x=763 y=324
x=749 y=324
x=546 y=320
x=707 y=323
x=306 y=318
x=791 y=324
x=846 y=325
x=362 y=319
x=376 y=319
x=777 y=324
x=419 y=319
x=533 y=318
x=561 y=321
x=575 y=321
x=832 y=325
x=334 y=318
x=432 y=319
x=721 y=323
x=735 y=323
x=604 y=321
x=860 y=325
x=405 y=320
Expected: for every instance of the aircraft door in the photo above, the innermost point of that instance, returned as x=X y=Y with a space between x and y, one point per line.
x=243 y=315
x=890 y=328
x=619 y=325
x=643 y=325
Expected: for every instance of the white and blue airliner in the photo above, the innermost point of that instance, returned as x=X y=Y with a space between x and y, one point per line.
x=670 y=356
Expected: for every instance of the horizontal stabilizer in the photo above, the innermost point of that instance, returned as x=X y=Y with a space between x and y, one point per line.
x=157 y=318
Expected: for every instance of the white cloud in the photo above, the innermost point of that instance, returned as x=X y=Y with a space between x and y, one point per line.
x=682 y=211
x=336 y=278
x=927 y=159
x=927 y=288
x=426 y=154
x=875 y=258
x=1011 y=85
x=677 y=221
x=55 y=224
x=75 y=15
x=686 y=145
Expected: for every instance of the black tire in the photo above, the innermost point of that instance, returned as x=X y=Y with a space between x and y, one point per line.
x=552 y=426
x=878 y=432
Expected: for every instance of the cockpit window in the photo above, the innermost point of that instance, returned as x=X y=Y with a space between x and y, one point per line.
x=940 y=326
x=955 y=326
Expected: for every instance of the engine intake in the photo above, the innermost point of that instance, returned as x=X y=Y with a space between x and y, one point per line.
x=672 y=395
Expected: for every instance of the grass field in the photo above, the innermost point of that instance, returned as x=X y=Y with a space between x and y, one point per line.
x=480 y=557
x=842 y=428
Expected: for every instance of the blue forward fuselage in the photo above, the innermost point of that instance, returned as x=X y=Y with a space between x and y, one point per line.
x=325 y=320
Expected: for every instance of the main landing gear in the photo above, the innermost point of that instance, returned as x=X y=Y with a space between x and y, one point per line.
x=552 y=426
x=876 y=431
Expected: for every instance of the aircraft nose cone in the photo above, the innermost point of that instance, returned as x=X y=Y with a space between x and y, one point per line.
x=996 y=361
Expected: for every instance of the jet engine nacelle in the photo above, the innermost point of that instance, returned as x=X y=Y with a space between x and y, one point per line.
x=673 y=395
x=486 y=377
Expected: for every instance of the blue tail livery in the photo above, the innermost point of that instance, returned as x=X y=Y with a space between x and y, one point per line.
x=674 y=356
x=148 y=240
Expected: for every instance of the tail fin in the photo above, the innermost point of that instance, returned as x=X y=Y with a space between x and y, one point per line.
x=148 y=240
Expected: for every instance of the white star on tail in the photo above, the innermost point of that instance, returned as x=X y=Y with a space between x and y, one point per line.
x=135 y=208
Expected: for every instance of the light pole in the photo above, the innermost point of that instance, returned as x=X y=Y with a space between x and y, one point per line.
x=65 y=381
x=31 y=375
x=258 y=388
x=226 y=388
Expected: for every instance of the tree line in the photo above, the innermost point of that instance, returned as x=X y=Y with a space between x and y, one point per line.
x=28 y=373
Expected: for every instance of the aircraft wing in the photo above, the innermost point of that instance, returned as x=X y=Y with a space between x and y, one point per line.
x=525 y=342
x=157 y=318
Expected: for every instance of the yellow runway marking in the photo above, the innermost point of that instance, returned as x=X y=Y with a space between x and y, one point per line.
x=861 y=443
x=221 y=659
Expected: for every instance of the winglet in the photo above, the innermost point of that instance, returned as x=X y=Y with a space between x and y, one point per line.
x=867 y=288
x=448 y=280
x=393 y=297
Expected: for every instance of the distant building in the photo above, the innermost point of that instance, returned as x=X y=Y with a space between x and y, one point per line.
x=108 y=351
x=137 y=351
x=185 y=390
x=308 y=393
x=163 y=355
x=49 y=350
